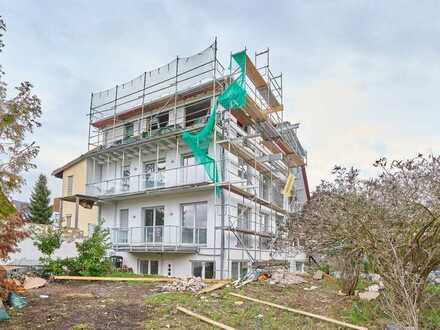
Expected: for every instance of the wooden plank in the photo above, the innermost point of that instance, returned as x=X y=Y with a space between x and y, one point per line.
x=253 y=74
x=243 y=154
x=258 y=81
x=277 y=108
x=254 y=111
x=205 y=319
x=213 y=287
x=297 y=311
x=248 y=195
x=241 y=116
x=115 y=279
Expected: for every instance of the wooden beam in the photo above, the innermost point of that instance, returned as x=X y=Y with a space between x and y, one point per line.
x=204 y=319
x=251 y=196
x=213 y=287
x=115 y=279
x=297 y=311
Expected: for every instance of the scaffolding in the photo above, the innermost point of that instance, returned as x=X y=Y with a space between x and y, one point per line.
x=253 y=147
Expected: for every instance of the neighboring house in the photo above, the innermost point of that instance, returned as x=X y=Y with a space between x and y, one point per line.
x=23 y=209
x=72 y=213
x=165 y=213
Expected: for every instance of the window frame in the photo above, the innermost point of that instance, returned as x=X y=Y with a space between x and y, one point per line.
x=69 y=188
x=203 y=264
x=195 y=230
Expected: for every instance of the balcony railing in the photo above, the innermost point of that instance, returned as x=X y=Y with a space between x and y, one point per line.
x=167 y=178
x=167 y=237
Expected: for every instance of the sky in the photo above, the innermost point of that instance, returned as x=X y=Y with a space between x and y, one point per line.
x=361 y=77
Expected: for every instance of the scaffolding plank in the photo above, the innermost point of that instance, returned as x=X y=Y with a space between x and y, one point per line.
x=250 y=232
x=293 y=159
x=241 y=116
x=257 y=79
x=236 y=190
x=240 y=152
x=253 y=110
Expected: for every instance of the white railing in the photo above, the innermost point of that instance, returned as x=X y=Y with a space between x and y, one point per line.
x=159 y=236
x=167 y=178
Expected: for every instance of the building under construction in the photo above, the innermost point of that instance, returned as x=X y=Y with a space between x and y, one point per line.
x=194 y=167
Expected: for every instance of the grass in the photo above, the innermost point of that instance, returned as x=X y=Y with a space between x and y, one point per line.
x=82 y=326
x=362 y=312
x=126 y=274
x=222 y=307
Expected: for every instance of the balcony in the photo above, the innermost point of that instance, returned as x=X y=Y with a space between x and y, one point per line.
x=161 y=179
x=167 y=238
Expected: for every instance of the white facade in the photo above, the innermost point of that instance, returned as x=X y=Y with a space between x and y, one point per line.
x=166 y=214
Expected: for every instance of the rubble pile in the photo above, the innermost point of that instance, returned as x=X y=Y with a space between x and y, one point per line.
x=283 y=277
x=14 y=281
x=192 y=284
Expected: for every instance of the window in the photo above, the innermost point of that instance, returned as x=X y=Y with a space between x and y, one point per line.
x=149 y=267
x=160 y=120
x=265 y=222
x=128 y=130
x=238 y=269
x=264 y=187
x=123 y=226
x=197 y=112
x=90 y=229
x=299 y=265
x=194 y=222
x=192 y=171
x=107 y=137
x=203 y=269
x=68 y=221
x=153 y=177
x=125 y=178
x=244 y=222
x=153 y=222
x=70 y=185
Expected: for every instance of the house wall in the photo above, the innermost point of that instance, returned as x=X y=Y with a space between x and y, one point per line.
x=85 y=216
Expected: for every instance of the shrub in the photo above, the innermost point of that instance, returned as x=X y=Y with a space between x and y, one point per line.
x=91 y=259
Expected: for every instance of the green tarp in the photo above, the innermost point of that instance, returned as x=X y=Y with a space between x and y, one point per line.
x=234 y=96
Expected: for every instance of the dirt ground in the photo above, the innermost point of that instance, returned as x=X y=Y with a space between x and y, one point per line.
x=83 y=305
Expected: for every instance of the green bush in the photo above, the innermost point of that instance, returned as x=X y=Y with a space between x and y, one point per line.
x=47 y=240
x=91 y=260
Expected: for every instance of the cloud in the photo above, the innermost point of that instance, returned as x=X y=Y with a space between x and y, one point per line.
x=361 y=77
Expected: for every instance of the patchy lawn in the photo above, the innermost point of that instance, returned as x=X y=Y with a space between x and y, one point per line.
x=244 y=314
x=83 y=306
x=134 y=305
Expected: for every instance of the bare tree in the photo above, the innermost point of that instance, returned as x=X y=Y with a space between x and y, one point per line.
x=392 y=219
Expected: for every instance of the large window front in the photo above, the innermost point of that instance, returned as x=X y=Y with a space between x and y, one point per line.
x=194 y=222
x=153 y=223
x=149 y=267
x=203 y=269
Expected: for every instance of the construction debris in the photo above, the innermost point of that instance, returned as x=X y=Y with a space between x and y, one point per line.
x=205 y=319
x=283 y=277
x=311 y=288
x=33 y=282
x=368 y=295
x=3 y=314
x=319 y=274
x=193 y=284
x=213 y=287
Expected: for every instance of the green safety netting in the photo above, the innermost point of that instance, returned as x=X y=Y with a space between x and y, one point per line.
x=234 y=96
